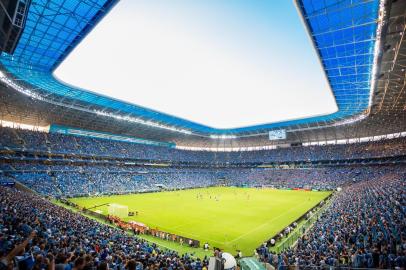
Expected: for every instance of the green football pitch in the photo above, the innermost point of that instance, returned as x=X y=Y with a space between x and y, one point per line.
x=230 y=218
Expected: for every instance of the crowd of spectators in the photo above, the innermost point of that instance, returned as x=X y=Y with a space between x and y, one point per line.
x=36 y=234
x=364 y=227
x=68 y=144
x=69 y=181
x=85 y=180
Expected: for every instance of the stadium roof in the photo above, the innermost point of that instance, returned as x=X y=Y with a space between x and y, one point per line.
x=346 y=34
x=215 y=63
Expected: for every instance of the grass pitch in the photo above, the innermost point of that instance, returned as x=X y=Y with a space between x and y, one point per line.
x=226 y=217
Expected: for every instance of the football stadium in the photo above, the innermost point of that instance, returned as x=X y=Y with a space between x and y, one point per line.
x=202 y=135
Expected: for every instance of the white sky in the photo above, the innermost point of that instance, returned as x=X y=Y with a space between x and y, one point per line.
x=224 y=64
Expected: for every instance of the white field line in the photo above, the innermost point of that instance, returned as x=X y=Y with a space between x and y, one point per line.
x=264 y=224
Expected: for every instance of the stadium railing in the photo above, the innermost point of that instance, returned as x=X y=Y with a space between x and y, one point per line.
x=292 y=238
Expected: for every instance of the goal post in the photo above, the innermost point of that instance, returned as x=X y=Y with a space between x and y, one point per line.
x=118 y=210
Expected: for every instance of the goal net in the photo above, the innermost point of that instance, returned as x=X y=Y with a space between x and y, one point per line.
x=118 y=210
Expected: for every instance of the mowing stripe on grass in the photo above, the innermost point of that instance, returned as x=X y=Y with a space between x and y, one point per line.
x=226 y=217
x=266 y=223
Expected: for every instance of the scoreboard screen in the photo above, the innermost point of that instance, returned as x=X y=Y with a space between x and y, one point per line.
x=277 y=134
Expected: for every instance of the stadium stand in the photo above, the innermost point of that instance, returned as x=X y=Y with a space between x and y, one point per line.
x=36 y=142
x=61 y=239
x=363 y=228
x=86 y=180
